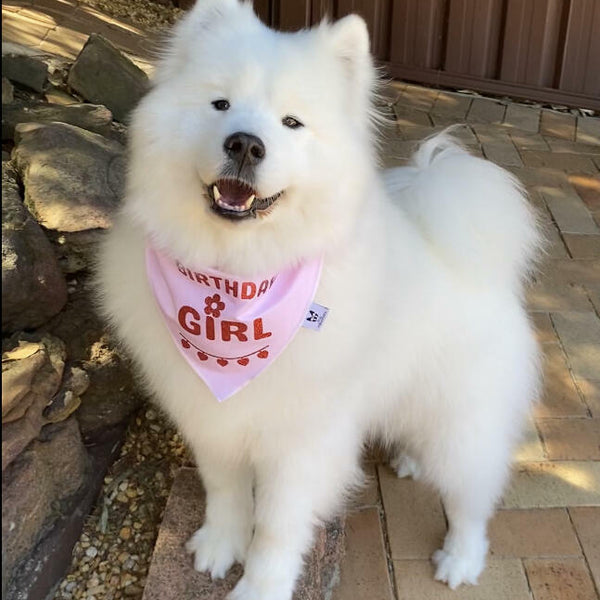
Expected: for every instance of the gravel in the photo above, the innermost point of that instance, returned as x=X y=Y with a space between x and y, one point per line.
x=145 y=13
x=112 y=556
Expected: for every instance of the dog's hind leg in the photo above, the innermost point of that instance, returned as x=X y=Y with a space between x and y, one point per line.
x=463 y=556
x=470 y=473
x=468 y=462
x=467 y=435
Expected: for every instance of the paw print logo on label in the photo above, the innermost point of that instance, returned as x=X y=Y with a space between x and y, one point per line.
x=315 y=316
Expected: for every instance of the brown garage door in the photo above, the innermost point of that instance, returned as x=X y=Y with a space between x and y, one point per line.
x=545 y=50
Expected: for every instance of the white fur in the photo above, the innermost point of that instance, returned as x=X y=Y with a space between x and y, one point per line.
x=427 y=342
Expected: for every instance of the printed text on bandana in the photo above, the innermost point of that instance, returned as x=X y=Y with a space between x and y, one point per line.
x=245 y=290
x=209 y=326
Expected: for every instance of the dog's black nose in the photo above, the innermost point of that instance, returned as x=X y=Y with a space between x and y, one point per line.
x=244 y=148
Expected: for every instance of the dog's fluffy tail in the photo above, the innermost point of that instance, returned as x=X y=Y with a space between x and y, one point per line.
x=474 y=214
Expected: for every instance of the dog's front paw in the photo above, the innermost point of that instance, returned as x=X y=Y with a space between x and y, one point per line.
x=216 y=550
x=246 y=589
x=454 y=569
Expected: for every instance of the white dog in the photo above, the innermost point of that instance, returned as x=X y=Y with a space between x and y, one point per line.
x=253 y=156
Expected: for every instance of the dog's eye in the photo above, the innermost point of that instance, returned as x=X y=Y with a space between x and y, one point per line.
x=221 y=104
x=291 y=122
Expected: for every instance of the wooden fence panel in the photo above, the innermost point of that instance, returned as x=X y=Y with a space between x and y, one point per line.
x=322 y=9
x=417 y=32
x=473 y=37
x=532 y=41
x=580 y=70
x=293 y=14
x=547 y=50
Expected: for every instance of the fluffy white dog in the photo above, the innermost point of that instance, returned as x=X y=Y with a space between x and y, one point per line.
x=254 y=153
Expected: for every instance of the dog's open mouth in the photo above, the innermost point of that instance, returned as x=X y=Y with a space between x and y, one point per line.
x=234 y=199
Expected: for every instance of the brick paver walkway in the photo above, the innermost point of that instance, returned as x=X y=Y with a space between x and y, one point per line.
x=545 y=539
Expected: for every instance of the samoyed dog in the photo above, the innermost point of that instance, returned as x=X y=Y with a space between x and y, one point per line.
x=253 y=198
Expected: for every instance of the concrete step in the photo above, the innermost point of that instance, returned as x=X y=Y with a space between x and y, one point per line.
x=172 y=576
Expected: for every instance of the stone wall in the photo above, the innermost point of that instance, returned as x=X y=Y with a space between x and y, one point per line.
x=67 y=387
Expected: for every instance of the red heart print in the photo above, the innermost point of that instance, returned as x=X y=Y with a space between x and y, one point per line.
x=263 y=354
x=202 y=356
x=185 y=343
x=243 y=361
x=222 y=362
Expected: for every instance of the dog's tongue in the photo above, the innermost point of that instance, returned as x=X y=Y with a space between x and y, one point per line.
x=234 y=193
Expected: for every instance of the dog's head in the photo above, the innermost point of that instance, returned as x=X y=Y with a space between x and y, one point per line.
x=253 y=148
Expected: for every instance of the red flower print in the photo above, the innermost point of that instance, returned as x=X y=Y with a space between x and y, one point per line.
x=214 y=306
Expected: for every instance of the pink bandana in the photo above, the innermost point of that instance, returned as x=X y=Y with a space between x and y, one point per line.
x=230 y=329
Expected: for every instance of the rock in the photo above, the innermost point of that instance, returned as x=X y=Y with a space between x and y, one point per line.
x=30 y=71
x=61 y=407
x=87 y=116
x=75 y=251
x=104 y=75
x=172 y=575
x=73 y=178
x=58 y=72
x=118 y=132
x=112 y=394
x=78 y=325
x=33 y=287
x=36 y=575
x=7 y=92
x=68 y=399
x=45 y=68
x=55 y=95
x=18 y=369
x=30 y=383
x=16 y=435
x=35 y=486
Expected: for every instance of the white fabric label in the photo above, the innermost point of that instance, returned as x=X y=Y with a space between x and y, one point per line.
x=315 y=316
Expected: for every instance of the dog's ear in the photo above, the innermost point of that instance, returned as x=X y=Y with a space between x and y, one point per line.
x=206 y=12
x=206 y=15
x=350 y=38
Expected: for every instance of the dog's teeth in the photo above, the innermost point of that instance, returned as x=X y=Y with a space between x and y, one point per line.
x=235 y=207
